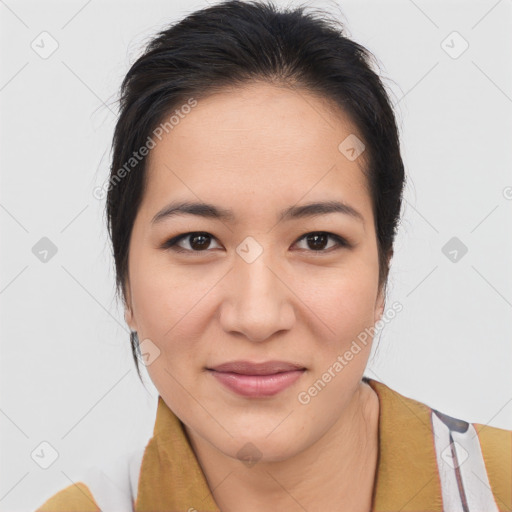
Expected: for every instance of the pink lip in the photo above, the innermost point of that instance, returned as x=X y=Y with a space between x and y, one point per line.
x=257 y=379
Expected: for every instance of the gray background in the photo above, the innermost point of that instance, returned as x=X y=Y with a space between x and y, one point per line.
x=67 y=377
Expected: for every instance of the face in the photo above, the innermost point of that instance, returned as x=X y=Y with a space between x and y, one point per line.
x=254 y=286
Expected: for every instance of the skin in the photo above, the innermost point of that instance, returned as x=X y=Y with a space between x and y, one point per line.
x=257 y=150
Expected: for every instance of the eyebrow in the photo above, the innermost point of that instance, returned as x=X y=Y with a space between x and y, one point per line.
x=211 y=211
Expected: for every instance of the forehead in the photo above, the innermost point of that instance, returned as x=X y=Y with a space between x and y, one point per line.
x=257 y=146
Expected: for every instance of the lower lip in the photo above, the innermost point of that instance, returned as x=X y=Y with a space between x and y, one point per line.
x=257 y=385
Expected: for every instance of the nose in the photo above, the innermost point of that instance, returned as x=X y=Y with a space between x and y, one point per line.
x=258 y=303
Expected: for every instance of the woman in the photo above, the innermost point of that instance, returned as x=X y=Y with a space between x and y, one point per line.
x=254 y=197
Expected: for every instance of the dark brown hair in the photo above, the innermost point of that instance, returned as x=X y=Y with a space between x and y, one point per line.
x=233 y=43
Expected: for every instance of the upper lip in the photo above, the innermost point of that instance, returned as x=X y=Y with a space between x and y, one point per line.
x=264 y=368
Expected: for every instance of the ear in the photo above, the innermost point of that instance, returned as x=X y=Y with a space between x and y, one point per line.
x=381 y=298
x=379 y=305
x=128 y=316
x=128 y=309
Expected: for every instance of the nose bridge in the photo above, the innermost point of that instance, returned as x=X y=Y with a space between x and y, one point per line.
x=255 y=280
x=258 y=304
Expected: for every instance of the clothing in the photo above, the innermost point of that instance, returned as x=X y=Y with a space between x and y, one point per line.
x=427 y=461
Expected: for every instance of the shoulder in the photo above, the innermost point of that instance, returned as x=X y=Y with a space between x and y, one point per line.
x=111 y=487
x=76 y=497
x=472 y=459
x=496 y=446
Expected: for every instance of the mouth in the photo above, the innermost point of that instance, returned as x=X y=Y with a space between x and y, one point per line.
x=257 y=379
x=264 y=368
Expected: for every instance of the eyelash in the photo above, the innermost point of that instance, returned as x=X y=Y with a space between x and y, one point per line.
x=172 y=242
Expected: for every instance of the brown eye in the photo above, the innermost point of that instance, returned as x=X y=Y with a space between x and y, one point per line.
x=197 y=242
x=318 y=241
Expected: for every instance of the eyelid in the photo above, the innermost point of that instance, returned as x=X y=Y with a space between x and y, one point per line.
x=171 y=244
x=340 y=242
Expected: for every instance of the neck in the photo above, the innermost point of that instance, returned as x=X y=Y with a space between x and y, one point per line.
x=327 y=472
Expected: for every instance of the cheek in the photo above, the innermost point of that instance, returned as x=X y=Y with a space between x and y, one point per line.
x=346 y=293
x=162 y=293
x=342 y=309
x=169 y=311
